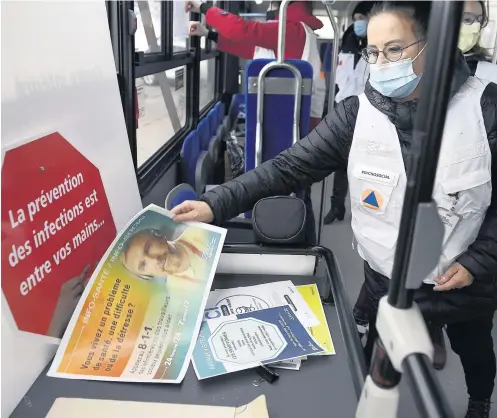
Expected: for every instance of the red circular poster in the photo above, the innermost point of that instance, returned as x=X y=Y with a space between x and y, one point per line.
x=56 y=225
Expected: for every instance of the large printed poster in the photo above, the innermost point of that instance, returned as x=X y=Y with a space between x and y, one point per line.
x=140 y=314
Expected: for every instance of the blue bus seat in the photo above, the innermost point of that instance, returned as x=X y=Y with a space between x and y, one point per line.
x=236 y=102
x=204 y=172
x=328 y=54
x=189 y=156
x=179 y=194
x=204 y=136
x=215 y=112
x=278 y=109
x=212 y=120
x=214 y=148
x=221 y=132
x=220 y=112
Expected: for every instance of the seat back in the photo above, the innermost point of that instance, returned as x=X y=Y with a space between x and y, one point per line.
x=236 y=102
x=189 y=156
x=220 y=112
x=179 y=194
x=203 y=130
x=204 y=172
x=279 y=99
x=214 y=149
x=212 y=119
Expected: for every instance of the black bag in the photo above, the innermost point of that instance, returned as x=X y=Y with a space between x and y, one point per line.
x=280 y=220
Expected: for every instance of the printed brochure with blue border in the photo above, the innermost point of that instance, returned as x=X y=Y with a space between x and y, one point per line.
x=237 y=342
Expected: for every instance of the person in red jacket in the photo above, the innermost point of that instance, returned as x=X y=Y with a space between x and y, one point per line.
x=251 y=39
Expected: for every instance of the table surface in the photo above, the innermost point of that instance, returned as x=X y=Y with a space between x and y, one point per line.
x=322 y=387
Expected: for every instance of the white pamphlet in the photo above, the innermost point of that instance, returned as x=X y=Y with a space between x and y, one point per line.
x=239 y=300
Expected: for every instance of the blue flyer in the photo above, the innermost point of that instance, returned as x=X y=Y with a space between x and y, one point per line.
x=237 y=342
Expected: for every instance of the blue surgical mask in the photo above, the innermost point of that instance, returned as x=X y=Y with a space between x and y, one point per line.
x=395 y=79
x=360 y=28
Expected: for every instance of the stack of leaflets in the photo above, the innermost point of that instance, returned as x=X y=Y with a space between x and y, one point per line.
x=320 y=332
x=274 y=323
x=148 y=308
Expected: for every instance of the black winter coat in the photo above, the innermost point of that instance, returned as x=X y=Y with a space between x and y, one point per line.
x=326 y=150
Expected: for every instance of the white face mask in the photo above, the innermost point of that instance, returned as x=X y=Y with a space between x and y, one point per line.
x=468 y=36
x=395 y=79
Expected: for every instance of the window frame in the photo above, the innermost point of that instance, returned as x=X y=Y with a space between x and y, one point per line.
x=205 y=56
x=146 y=58
x=132 y=65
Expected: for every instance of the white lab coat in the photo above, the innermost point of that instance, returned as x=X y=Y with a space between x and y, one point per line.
x=377 y=180
x=350 y=80
x=486 y=71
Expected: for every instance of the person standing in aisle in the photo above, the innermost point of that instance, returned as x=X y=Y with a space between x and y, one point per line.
x=250 y=39
x=475 y=19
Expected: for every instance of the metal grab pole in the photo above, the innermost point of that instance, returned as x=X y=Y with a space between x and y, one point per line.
x=334 y=58
x=282 y=31
x=428 y=128
x=331 y=100
x=279 y=63
x=494 y=57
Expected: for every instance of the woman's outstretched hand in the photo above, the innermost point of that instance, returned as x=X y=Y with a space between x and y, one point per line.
x=193 y=210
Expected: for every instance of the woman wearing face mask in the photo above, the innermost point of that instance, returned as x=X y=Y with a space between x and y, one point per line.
x=249 y=39
x=371 y=137
x=351 y=75
x=352 y=72
x=474 y=20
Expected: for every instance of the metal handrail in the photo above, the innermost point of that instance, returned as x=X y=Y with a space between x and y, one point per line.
x=279 y=63
x=494 y=57
x=334 y=58
x=331 y=100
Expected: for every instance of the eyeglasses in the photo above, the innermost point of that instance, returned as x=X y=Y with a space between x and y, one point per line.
x=470 y=18
x=392 y=53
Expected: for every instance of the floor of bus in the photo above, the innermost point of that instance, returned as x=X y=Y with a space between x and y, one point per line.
x=338 y=237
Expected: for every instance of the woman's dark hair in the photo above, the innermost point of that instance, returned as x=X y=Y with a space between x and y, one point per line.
x=484 y=12
x=363 y=7
x=418 y=11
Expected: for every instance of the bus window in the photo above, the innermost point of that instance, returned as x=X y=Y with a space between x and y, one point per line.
x=161 y=108
x=149 y=28
x=203 y=39
x=207 y=82
x=180 y=27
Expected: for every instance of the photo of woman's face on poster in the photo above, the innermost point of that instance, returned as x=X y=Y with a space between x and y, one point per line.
x=172 y=254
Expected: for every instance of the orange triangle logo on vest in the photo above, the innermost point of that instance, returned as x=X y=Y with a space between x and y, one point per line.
x=371 y=199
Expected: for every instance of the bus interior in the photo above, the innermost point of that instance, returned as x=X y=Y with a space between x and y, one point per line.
x=183 y=117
